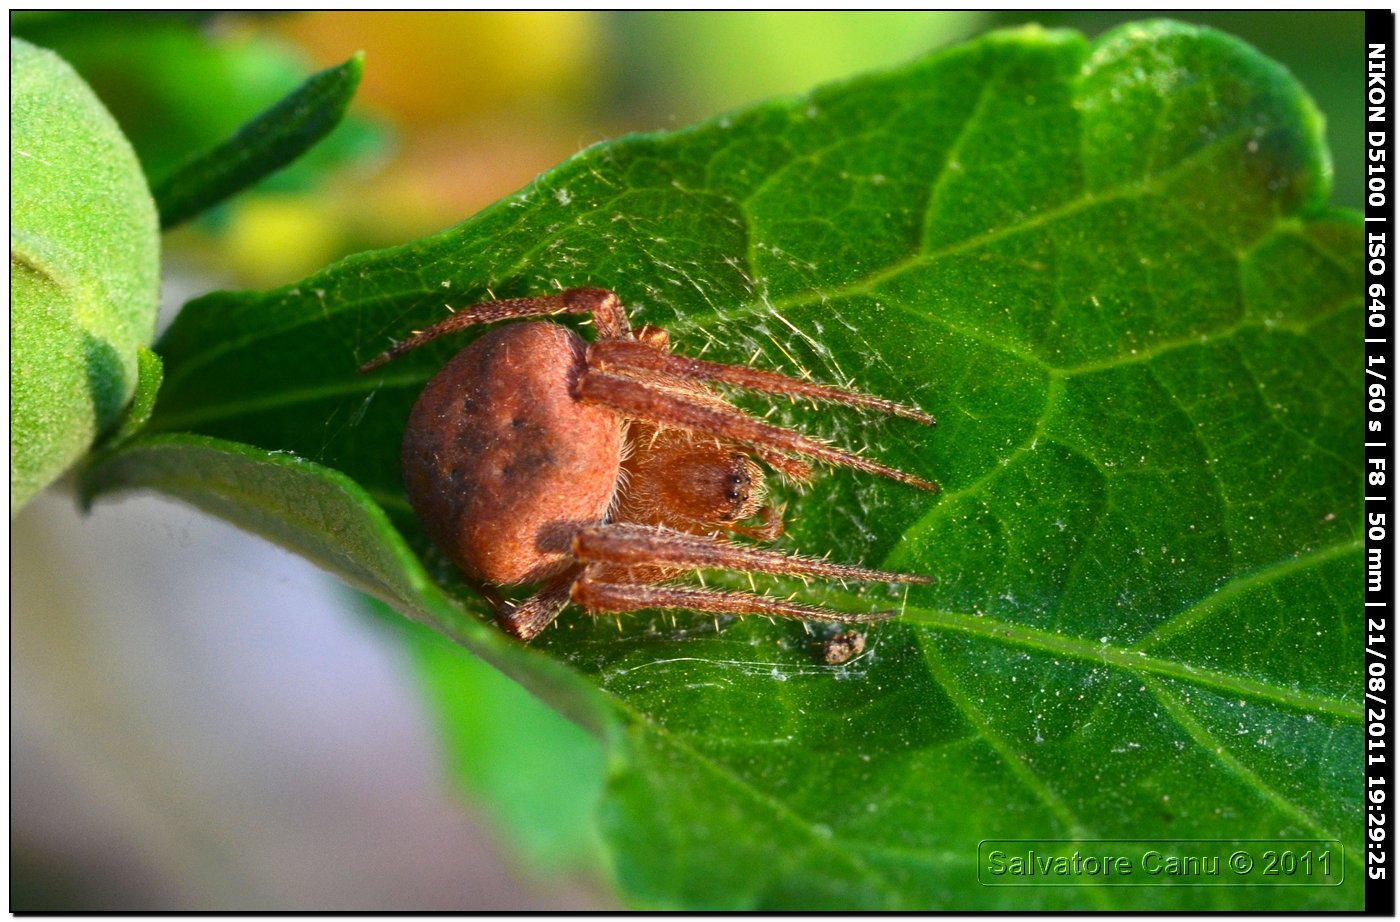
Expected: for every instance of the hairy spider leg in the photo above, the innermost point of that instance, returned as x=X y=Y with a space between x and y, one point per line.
x=639 y=400
x=626 y=545
x=605 y=307
x=770 y=529
x=597 y=597
x=625 y=356
x=525 y=620
x=612 y=552
x=795 y=468
x=609 y=554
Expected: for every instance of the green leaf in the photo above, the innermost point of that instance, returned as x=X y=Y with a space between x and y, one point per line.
x=1107 y=269
x=262 y=146
x=150 y=372
x=84 y=269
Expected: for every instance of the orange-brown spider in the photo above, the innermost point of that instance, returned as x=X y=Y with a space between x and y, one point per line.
x=601 y=470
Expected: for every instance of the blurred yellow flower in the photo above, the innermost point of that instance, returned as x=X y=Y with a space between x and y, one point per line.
x=270 y=240
x=425 y=68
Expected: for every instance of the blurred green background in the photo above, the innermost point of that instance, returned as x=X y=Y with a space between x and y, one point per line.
x=201 y=721
x=457 y=110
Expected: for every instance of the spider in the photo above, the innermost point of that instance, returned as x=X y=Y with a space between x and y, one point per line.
x=843 y=648
x=600 y=470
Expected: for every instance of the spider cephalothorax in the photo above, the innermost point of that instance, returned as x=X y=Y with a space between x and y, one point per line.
x=602 y=470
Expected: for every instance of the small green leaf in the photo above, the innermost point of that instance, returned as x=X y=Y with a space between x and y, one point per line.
x=150 y=372
x=1108 y=270
x=262 y=146
x=84 y=273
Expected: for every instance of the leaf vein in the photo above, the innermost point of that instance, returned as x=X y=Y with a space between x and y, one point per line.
x=1136 y=661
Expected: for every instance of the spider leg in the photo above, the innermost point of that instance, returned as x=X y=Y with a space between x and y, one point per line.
x=795 y=468
x=625 y=545
x=605 y=307
x=770 y=529
x=525 y=620
x=627 y=356
x=597 y=596
x=638 y=400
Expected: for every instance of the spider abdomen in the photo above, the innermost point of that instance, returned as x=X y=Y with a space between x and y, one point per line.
x=502 y=463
